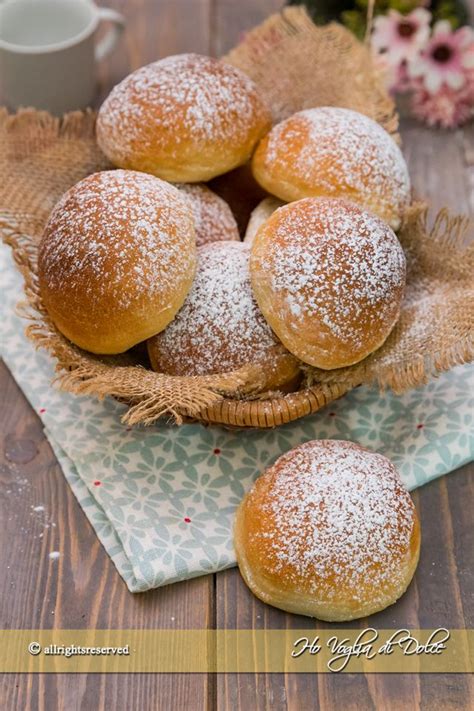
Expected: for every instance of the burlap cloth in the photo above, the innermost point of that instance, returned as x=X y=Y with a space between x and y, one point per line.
x=296 y=65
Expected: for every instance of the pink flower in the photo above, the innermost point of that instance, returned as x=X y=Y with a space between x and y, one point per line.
x=446 y=58
x=447 y=108
x=400 y=37
x=395 y=75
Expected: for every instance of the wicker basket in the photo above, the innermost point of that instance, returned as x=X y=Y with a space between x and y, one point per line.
x=296 y=65
x=273 y=411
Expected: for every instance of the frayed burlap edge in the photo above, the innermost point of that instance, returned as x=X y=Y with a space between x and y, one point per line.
x=68 y=152
x=150 y=395
x=290 y=59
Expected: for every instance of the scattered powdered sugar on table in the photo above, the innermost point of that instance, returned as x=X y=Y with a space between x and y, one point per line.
x=220 y=327
x=115 y=237
x=209 y=101
x=213 y=218
x=336 y=515
x=357 y=153
x=40 y=519
x=330 y=262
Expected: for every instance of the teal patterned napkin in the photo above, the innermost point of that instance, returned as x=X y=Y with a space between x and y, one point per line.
x=161 y=499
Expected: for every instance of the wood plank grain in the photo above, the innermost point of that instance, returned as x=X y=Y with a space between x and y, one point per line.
x=440 y=165
x=232 y=19
x=440 y=595
x=80 y=590
x=155 y=29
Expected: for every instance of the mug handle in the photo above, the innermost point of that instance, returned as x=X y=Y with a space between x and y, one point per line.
x=107 y=43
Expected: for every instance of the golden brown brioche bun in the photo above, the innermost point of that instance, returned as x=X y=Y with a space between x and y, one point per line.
x=117 y=259
x=329 y=278
x=329 y=531
x=185 y=119
x=334 y=152
x=259 y=215
x=213 y=218
x=220 y=328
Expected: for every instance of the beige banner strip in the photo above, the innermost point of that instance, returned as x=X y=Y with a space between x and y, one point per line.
x=326 y=651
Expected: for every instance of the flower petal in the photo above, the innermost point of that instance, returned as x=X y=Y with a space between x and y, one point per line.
x=395 y=16
x=467 y=60
x=417 y=68
x=455 y=79
x=465 y=36
x=382 y=23
x=442 y=27
x=384 y=33
x=422 y=36
x=422 y=15
x=432 y=81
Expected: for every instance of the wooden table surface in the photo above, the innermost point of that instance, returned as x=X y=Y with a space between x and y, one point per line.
x=83 y=589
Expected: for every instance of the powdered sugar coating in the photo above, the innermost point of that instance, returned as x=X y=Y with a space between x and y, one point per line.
x=179 y=113
x=330 y=275
x=335 y=152
x=334 y=520
x=220 y=327
x=117 y=224
x=213 y=218
x=118 y=244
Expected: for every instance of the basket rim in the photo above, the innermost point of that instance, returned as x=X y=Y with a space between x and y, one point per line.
x=273 y=412
x=246 y=409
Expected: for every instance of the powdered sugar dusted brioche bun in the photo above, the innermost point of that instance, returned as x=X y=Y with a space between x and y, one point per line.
x=220 y=327
x=186 y=118
x=334 y=152
x=213 y=218
x=329 y=531
x=117 y=259
x=329 y=278
x=259 y=215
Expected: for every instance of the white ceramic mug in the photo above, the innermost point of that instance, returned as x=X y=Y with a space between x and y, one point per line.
x=48 y=54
